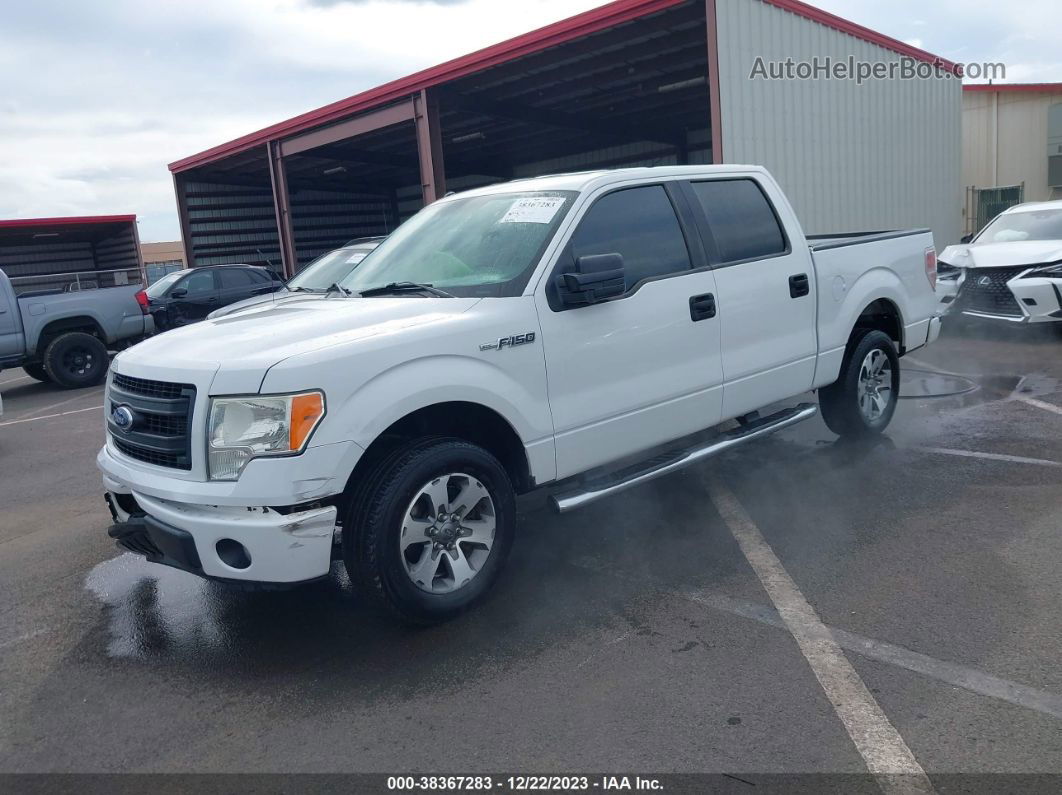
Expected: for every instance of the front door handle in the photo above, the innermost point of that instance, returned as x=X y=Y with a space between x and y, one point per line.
x=702 y=307
x=799 y=285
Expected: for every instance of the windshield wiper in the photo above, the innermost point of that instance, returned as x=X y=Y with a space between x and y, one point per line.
x=337 y=287
x=304 y=290
x=405 y=287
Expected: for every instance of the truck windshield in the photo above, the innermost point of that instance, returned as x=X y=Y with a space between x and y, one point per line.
x=1030 y=225
x=478 y=246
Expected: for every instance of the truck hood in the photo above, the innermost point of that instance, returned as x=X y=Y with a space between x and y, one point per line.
x=1002 y=255
x=257 y=300
x=243 y=346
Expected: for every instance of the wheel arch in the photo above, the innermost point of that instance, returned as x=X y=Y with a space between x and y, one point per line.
x=64 y=325
x=467 y=420
x=881 y=314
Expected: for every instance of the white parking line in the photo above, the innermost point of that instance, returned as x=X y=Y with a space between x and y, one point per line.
x=1013 y=459
x=884 y=751
x=15 y=380
x=950 y=673
x=29 y=414
x=1041 y=404
x=50 y=416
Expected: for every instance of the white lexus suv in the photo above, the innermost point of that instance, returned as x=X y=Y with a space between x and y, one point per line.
x=1011 y=271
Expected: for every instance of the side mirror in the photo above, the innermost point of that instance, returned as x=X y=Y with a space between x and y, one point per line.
x=180 y=292
x=966 y=238
x=596 y=278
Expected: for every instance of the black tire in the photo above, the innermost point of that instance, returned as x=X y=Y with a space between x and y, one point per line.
x=76 y=360
x=36 y=371
x=839 y=402
x=376 y=511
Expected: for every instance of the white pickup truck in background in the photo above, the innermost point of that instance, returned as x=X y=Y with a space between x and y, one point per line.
x=586 y=332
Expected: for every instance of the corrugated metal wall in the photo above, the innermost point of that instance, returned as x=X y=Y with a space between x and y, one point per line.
x=1013 y=149
x=881 y=155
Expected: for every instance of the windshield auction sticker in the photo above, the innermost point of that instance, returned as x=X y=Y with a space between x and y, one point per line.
x=533 y=210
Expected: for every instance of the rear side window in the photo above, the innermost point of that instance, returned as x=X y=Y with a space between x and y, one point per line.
x=235 y=277
x=741 y=218
x=640 y=224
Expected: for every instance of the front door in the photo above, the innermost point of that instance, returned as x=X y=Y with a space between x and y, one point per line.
x=642 y=368
x=194 y=297
x=11 y=342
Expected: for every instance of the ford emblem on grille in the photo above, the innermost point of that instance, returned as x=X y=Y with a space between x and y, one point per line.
x=123 y=417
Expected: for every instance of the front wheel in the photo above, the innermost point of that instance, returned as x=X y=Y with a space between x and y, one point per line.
x=430 y=529
x=863 y=399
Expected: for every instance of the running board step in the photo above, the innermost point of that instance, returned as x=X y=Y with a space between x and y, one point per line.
x=673 y=460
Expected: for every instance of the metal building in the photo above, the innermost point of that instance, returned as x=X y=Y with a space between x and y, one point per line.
x=81 y=253
x=1011 y=147
x=635 y=82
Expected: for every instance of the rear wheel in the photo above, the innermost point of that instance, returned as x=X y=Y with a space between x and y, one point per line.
x=430 y=529
x=37 y=372
x=863 y=399
x=75 y=360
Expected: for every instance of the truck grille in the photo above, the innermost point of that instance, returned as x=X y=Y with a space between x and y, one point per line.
x=993 y=297
x=160 y=432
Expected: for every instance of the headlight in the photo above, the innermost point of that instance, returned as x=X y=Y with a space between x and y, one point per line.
x=243 y=428
x=1045 y=270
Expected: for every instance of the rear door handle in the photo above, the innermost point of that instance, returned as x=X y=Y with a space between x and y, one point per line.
x=799 y=285
x=702 y=307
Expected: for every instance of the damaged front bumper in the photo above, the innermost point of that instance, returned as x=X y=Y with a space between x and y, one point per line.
x=250 y=546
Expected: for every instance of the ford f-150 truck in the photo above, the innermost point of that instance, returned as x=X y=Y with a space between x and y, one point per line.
x=63 y=337
x=585 y=332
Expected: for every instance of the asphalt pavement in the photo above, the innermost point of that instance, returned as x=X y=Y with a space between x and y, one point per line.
x=800 y=605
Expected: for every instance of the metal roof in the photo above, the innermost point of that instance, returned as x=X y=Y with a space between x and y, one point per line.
x=67 y=221
x=576 y=27
x=1050 y=88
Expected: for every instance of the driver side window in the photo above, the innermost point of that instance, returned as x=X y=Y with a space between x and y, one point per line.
x=639 y=224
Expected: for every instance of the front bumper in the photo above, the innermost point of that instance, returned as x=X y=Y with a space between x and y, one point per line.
x=1038 y=299
x=277 y=548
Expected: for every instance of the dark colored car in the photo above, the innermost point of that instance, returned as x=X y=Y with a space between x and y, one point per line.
x=188 y=296
x=317 y=277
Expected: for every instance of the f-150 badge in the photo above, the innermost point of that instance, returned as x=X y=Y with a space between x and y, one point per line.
x=509 y=342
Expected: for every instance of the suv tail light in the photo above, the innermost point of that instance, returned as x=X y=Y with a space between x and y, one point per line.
x=142 y=299
x=931 y=267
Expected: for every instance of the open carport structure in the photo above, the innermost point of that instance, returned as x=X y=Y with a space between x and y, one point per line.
x=635 y=82
x=73 y=253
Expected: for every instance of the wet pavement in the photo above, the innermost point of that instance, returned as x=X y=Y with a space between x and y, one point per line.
x=631 y=635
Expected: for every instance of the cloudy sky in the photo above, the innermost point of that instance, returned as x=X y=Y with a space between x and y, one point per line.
x=97 y=97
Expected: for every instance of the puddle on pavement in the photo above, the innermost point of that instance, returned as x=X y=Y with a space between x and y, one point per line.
x=919 y=384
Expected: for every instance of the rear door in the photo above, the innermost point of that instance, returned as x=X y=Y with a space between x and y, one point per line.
x=236 y=284
x=766 y=293
x=642 y=368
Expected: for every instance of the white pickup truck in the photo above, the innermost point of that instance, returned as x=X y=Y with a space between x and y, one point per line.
x=585 y=332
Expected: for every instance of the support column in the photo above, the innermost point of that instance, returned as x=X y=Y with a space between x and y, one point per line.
x=282 y=208
x=714 y=103
x=180 y=189
x=429 y=146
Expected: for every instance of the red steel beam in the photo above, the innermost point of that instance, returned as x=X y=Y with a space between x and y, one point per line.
x=1045 y=88
x=714 y=102
x=429 y=146
x=369 y=122
x=282 y=207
